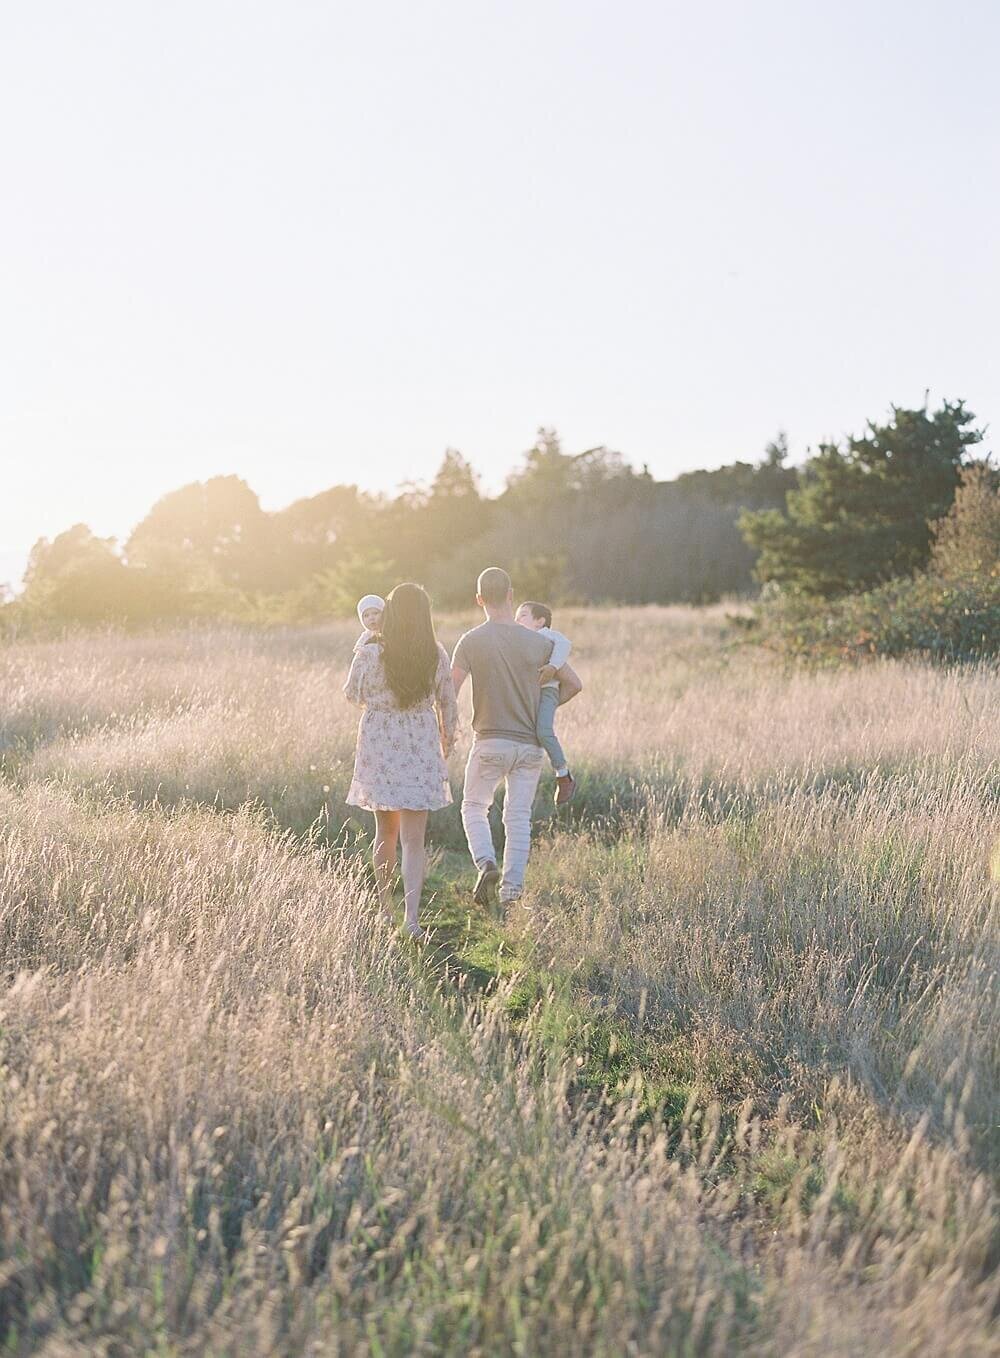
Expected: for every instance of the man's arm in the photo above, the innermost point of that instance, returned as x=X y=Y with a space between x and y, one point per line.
x=459 y=666
x=570 y=685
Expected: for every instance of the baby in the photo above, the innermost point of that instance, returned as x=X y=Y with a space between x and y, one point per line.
x=370 y=610
x=538 y=617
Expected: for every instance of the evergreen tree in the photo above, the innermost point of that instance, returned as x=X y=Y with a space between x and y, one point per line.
x=861 y=515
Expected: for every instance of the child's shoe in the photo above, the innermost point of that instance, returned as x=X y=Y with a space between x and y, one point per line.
x=565 y=789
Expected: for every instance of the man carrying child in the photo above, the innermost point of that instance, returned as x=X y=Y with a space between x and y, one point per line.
x=505 y=661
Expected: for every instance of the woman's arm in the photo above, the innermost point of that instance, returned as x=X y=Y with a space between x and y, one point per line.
x=447 y=704
x=354 y=689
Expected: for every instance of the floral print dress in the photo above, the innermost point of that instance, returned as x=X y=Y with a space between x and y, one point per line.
x=398 y=765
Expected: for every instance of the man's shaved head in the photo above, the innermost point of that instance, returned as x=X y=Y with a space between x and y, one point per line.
x=494 y=586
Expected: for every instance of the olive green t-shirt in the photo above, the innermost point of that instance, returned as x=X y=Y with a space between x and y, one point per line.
x=503 y=660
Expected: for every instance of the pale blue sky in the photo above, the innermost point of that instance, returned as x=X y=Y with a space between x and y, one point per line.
x=320 y=242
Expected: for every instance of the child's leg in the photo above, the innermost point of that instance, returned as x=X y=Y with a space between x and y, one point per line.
x=546 y=732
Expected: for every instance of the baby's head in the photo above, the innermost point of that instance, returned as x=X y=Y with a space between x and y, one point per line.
x=534 y=615
x=370 y=611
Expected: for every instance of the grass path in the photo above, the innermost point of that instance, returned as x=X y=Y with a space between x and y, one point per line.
x=773 y=1180
x=620 y=1070
x=476 y=950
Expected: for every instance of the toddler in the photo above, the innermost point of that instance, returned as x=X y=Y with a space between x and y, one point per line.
x=538 y=617
x=370 y=610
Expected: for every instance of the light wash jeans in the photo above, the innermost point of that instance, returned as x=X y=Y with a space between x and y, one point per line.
x=518 y=767
x=545 y=728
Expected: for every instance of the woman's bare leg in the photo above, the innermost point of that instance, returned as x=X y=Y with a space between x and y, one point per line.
x=413 y=829
x=384 y=854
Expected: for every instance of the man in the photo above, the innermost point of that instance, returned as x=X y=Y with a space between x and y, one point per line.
x=504 y=661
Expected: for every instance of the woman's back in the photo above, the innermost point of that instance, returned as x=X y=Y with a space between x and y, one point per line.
x=372 y=688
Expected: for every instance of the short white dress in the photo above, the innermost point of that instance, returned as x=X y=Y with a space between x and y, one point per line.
x=398 y=765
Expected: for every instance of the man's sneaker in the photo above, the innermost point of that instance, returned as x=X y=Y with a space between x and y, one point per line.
x=565 y=789
x=485 y=892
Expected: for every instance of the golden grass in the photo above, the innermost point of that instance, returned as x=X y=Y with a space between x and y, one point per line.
x=239 y=1115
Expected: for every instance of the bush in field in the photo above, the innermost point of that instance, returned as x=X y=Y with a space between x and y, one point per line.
x=334 y=592
x=930 y=615
x=951 y=611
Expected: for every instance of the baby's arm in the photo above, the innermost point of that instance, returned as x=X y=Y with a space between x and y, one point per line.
x=363 y=640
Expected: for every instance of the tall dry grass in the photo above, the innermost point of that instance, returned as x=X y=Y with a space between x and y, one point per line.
x=236 y=1119
x=672 y=706
x=239 y=1116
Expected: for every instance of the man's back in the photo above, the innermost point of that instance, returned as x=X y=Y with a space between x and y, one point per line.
x=503 y=659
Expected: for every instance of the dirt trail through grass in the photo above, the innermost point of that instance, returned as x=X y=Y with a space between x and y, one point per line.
x=472 y=949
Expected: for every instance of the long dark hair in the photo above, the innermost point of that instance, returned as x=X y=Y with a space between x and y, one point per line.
x=409 y=646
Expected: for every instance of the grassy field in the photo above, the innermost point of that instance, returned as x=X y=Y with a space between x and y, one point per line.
x=725 y=1082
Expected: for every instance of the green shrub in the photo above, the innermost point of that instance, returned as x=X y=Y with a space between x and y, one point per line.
x=948 y=619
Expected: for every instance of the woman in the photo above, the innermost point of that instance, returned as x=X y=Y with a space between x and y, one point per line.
x=403 y=681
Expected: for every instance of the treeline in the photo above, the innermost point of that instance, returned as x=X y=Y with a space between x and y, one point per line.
x=850 y=524
x=583 y=527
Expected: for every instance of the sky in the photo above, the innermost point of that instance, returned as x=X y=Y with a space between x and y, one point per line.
x=311 y=243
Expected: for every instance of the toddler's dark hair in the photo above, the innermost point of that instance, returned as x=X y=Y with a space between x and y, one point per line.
x=540 y=612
